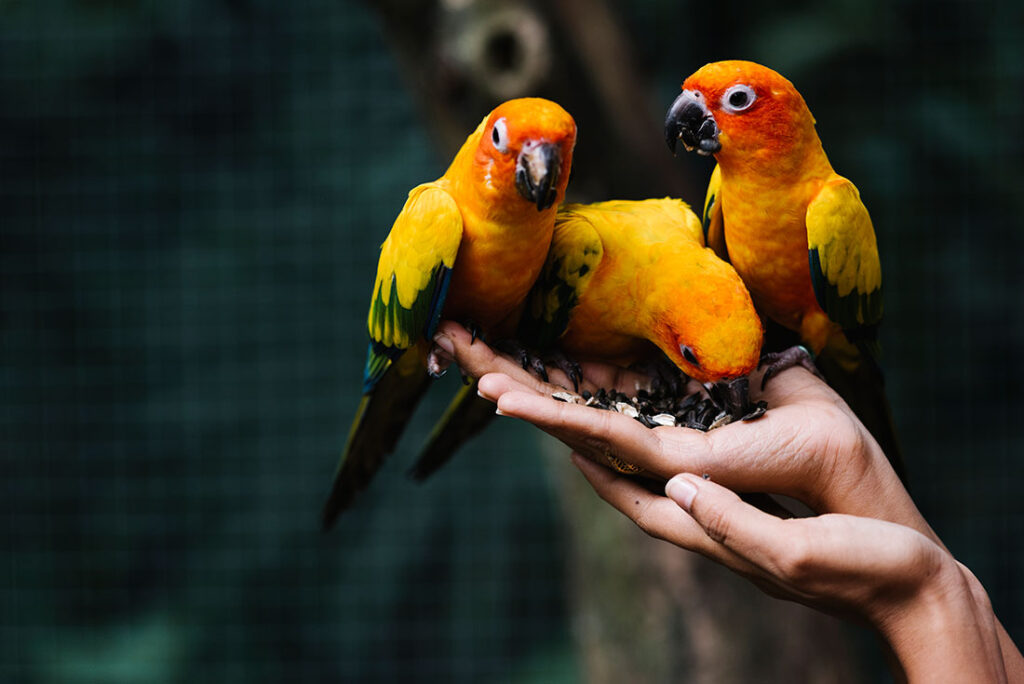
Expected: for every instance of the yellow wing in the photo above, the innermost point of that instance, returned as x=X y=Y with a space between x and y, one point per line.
x=711 y=220
x=573 y=258
x=845 y=269
x=413 y=274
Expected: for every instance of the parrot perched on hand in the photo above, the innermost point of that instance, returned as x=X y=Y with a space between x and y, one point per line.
x=796 y=231
x=624 y=283
x=625 y=277
x=468 y=247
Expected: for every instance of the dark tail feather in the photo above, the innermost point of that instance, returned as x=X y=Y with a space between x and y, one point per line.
x=379 y=422
x=466 y=415
x=863 y=388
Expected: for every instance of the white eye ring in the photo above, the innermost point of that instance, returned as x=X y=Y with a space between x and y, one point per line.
x=738 y=98
x=499 y=135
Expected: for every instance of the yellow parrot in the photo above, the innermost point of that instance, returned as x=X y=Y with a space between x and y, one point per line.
x=468 y=247
x=796 y=231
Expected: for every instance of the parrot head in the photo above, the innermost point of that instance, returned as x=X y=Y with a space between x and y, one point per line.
x=525 y=149
x=738 y=110
x=713 y=332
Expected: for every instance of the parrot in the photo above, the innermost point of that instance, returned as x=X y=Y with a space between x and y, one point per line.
x=625 y=277
x=626 y=282
x=797 y=232
x=467 y=247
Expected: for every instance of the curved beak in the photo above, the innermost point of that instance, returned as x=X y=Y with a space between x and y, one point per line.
x=537 y=170
x=689 y=120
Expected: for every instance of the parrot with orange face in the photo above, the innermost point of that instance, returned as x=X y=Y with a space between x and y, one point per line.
x=627 y=282
x=468 y=247
x=795 y=230
x=626 y=279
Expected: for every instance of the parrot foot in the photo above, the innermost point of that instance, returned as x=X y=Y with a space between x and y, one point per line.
x=438 y=362
x=539 y=364
x=776 y=362
x=665 y=375
x=475 y=331
x=568 y=366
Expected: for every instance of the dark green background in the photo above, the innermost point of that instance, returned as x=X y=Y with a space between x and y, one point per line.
x=191 y=197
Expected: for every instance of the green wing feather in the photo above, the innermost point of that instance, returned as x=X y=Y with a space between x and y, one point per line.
x=413 y=274
x=412 y=277
x=845 y=269
x=575 y=254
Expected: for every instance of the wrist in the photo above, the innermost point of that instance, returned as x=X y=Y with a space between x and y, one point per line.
x=868 y=487
x=936 y=632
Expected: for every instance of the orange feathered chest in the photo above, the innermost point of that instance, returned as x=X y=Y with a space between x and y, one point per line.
x=766 y=236
x=499 y=259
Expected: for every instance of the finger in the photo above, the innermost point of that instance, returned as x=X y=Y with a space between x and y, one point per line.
x=493 y=385
x=656 y=515
x=754 y=536
x=475 y=357
x=595 y=432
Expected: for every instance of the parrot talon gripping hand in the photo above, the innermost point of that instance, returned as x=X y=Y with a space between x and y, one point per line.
x=776 y=362
x=467 y=246
x=569 y=367
x=795 y=230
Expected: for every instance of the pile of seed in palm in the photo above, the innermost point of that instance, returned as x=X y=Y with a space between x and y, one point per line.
x=712 y=406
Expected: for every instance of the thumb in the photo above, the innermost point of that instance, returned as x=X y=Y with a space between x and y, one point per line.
x=725 y=517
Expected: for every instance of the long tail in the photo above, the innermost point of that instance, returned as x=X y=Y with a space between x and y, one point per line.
x=862 y=386
x=382 y=416
x=466 y=415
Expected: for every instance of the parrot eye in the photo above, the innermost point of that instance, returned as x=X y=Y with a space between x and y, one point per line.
x=738 y=98
x=499 y=135
x=689 y=355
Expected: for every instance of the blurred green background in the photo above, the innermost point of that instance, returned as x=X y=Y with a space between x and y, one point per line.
x=191 y=199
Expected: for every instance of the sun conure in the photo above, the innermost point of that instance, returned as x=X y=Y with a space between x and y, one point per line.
x=796 y=231
x=625 y=282
x=468 y=247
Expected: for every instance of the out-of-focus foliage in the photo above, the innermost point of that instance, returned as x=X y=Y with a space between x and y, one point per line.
x=191 y=197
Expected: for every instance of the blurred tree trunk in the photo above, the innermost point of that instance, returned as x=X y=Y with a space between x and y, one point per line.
x=644 y=610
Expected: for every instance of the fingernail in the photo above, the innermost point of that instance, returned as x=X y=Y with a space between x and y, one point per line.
x=681 y=491
x=445 y=343
x=498 y=412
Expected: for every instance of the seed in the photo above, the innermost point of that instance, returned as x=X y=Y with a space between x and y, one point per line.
x=626 y=409
x=723 y=418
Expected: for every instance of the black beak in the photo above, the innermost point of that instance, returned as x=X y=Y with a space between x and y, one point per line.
x=689 y=120
x=537 y=171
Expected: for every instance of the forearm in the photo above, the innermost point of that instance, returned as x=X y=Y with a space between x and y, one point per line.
x=1013 y=662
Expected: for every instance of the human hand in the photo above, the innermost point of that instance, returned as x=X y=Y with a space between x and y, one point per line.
x=938 y=624
x=809 y=445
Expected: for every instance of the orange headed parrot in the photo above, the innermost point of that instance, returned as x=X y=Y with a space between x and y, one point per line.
x=623 y=280
x=796 y=231
x=624 y=277
x=468 y=247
